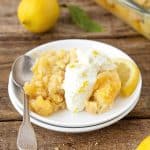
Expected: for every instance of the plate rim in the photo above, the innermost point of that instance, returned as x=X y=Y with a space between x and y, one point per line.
x=75 y=130
x=132 y=106
x=68 y=40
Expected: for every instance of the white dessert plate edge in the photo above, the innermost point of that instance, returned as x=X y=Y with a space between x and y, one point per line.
x=73 y=129
x=64 y=44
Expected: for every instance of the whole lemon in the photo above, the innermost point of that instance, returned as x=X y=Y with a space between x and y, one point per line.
x=38 y=15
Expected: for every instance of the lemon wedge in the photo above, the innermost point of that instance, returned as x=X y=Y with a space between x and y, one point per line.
x=129 y=75
x=145 y=144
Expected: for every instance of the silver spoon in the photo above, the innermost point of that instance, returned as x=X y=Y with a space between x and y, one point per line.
x=21 y=73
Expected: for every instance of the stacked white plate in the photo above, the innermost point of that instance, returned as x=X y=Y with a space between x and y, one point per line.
x=66 y=121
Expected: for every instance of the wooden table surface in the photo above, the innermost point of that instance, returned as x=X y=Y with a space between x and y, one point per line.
x=15 y=40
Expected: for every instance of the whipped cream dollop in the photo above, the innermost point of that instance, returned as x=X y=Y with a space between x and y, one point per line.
x=81 y=76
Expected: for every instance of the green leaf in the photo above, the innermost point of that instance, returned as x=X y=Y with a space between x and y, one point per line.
x=80 y=18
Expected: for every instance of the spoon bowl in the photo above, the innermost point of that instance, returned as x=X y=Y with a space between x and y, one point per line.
x=21 y=70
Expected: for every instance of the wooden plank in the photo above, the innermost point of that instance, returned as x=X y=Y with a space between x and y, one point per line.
x=135 y=47
x=15 y=41
x=10 y=28
x=124 y=135
x=139 y=51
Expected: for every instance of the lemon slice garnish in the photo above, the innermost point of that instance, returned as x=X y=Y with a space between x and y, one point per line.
x=129 y=75
x=145 y=144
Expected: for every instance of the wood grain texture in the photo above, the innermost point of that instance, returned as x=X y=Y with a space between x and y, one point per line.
x=15 y=41
x=124 y=135
x=10 y=28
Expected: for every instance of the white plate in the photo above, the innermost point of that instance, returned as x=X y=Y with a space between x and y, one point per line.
x=73 y=129
x=66 y=118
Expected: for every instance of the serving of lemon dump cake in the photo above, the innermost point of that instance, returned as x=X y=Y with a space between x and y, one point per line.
x=76 y=80
x=44 y=90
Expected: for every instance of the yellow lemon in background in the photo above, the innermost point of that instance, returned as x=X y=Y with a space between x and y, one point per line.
x=129 y=75
x=38 y=15
x=145 y=144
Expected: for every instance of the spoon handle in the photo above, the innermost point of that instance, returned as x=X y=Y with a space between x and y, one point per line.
x=26 y=117
x=26 y=139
